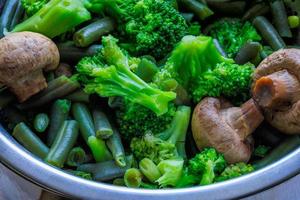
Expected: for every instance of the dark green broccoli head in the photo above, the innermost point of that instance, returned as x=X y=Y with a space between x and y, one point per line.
x=234 y=170
x=32 y=6
x=233 y=34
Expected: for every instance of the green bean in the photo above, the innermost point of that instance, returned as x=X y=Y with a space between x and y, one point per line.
x=102 y=125
x=133 y=178
x=294 y=21
x=99 y=149
x=280 y=18
x=2 y=3
x=265 y=52
x=76 y=157
x=146 y=70
x=83 y=116
x=58 y=88
x=79 y=96
x=227 y=7
x=58 y=114
x=50 y=76
x=248 y=52
x=115 y=102
x=29 y=140
x=188 y=16
x=93 y=32
x=41 y=122
x=7 y=15
x=107 y=170
x=220 y=48
x=283 y=149
x=119 y=182
x=18 y=15
x=81 y=174
x=13 y=116
x=114 y=143
x=269 y=33
x=71 y=54
x=63 y=143
x=149 y=170
x=198 y=8
x=257 y=10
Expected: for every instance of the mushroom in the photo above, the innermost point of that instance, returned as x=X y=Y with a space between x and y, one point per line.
x=216 y=123
x=23 y=57
x=276 y=89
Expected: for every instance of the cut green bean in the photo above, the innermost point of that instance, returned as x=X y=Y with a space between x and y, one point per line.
x=146 y=70
x=83 y=116
x=50 y=76
x=149 y=170
x=114 y=143
x=102 y=125
x=7 y=15
x=80 y=174
x=99 y=149
x=59 y=113
x=248 y=52
x=107 y=170
x=269 y=33
x=58 y=88
x=63 y=143
x=93 y=32
x=133 y=178
x=257 y=10
x=18 y=15
x=79 y=96
x=199 y=9
x=227 y=7
x=280 y=18
x=294 y=21
x=30 y=141
x=76 y=157
x=119 y=182
x=41 y=122
x=13 y=116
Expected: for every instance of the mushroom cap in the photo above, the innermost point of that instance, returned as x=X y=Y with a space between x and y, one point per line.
x=285 y=118
x=211 y=129
x=23 y=57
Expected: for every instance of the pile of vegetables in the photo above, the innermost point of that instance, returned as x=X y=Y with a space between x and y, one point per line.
x=152 y=93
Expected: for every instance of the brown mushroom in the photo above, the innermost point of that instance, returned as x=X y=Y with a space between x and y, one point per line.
x=23 y=57
x=216 y=123
x=276 y=88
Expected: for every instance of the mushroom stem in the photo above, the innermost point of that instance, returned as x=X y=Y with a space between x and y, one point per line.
x=276 y=89
x=244 y=119
x=28 y=85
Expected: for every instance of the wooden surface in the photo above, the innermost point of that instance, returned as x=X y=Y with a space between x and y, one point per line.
x=12 y=187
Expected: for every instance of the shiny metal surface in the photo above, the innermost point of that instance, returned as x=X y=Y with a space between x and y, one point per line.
x=22 y=162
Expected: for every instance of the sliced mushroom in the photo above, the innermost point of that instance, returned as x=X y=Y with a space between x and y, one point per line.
x=228 y=129
x=276 y=88
x=23 y=57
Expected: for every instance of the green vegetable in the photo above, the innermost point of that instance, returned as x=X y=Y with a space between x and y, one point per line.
x=33 y=6
x=231 y=80
x=41 y=122
x=133 y=178
x=119 y=182
x=114 y=143
x=149 y=170
x=102 y=125
x=234 y=170
x=146 y=70
x=248 y=53
x=63 y=143
x=59 y=113
x=76 y=157
x=294 y=21
x=207 y=165
x=146 y=27
x=81 y=174
x=7 y=15
x=156 y=149
x=18 y=16
x=108 y=74
x=55 y=18
x=199 y=9
x=99 y=149
x=79 y=96
x=29 y=140
x=171 y=171
x=233 y=34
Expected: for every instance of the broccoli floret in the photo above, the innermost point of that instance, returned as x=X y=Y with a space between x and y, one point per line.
x=33 y=6
x=187 y=179
x=231 y=80
x=135 y=120
x=192 y=57
x=261 y=151
x=166 y=145
x=233 y=34
x=55 y=18
x=146 y=26
x=207 y=165
x=234 y=170
x=108 y=74
x=171 y=171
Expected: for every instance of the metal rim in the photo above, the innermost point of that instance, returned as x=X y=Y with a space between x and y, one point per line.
x=24 y=163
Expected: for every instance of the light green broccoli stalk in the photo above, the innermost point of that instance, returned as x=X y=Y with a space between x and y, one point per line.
x=172 y=144
x=229 y=80
x=207 y=165
x=55 y=18
x=171 y=171
x=108 y=74
x=233 y=34
x=234 y=170
x=33 y=6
